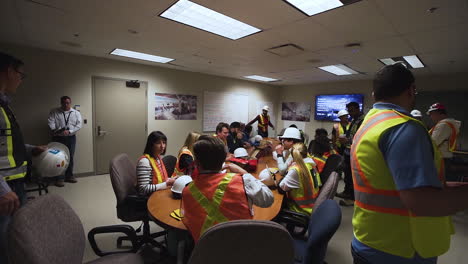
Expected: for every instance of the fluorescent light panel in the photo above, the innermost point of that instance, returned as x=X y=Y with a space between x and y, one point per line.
x=260 y=78
x=313 y=7
x=195 y=15
x=338 y=69
x=140 y=56
x=411 y=61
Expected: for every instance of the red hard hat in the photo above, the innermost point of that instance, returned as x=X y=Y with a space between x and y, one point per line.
x=436 y=106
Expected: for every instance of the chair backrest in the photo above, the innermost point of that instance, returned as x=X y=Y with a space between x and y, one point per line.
x=328 y=190
x=123 y=176
x=323 y=224
x=244 y=241
x=334 y=161
x=46 y=230
x=169 y=162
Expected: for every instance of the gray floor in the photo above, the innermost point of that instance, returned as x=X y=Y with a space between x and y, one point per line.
x=93 y=200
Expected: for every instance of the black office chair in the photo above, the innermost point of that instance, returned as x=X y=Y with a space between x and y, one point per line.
x=333 y=163
x=324 y=222
x=170 y=163
x=130 y=208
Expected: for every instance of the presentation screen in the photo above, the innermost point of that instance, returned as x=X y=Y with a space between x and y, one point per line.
x=328 y=105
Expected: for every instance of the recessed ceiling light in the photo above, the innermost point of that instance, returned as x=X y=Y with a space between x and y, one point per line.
x=338 y=69
x=195 y=15
x=260 y=78
x=140 y=56
x=411 y=61
x=313 y=7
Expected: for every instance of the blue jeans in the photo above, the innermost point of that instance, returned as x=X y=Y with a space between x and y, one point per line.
x=70 y=142
x=18 y=187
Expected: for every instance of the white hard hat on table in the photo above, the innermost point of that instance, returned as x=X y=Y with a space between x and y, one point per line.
x=291 y=132
x=240 y=152
x=180 y=183
x=52 y=162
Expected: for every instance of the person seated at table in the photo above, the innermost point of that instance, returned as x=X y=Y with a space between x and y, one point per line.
x=299 y=184
x=184 y=165
x=214 y=197
x=281 y=154
x=151 y=172
x=320 y=152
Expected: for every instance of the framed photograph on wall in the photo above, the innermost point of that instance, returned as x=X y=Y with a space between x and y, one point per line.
x=175 y=107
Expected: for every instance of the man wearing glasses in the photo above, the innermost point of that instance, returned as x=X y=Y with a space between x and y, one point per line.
x=64 y=122
x=13 y=152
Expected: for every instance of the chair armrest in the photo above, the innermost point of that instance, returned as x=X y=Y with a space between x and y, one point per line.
x=126 y=229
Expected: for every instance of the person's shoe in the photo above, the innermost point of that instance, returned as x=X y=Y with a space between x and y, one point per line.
x=59 y=183
x=344 y=195
x=71 y=179
x=346 y=202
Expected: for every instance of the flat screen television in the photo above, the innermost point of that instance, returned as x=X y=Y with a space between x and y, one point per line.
x=328 y=105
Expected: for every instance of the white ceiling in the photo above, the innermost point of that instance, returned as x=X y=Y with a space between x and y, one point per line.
x=385 y=28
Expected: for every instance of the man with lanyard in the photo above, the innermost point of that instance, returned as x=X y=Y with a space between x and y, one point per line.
x=357 y=116
x=444 y=133
x=64 y=122
x=13 y=152
x=339 y=130
x=214 y=197
x=263 y=122
x=402 y=207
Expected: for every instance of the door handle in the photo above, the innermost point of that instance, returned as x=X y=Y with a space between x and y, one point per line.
x=100 y=132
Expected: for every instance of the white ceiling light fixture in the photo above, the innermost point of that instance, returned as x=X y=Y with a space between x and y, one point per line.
x=315 y=7
x=338 y=69
x=140 y=56
x=260 y=78
x=195 y=15
x=411 y=61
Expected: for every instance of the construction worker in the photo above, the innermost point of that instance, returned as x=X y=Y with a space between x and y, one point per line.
x=402 y=206
x=263 y=122
x=416 y=114
x=13 y=152
x=236 y=192
x=339 y=130
x=444 y=133
x=184 y=164
x=282 y=153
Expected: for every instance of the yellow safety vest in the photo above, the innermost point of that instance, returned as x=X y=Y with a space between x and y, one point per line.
x=339 y=131
x=381 y=221
x=452 y=140
x=13 y=164
x=264 y=122
x=303 y=198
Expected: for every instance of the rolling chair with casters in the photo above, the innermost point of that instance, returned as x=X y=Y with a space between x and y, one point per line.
x=298 y=223
x=170 y=163
x=244 y=241
x=130 y=208
x=46 y=230
x=324 y=222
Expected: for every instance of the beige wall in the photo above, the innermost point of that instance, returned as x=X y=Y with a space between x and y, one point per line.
x=53 y=74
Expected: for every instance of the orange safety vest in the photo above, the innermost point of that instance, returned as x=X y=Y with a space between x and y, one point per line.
x=211 y=199
x=178 y=171
x=453 y=136
x=263 y=122
x=321 y=160
x=158 y=169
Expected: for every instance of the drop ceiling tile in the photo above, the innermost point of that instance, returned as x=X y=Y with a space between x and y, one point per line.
x=386 y=48
x=450 y=38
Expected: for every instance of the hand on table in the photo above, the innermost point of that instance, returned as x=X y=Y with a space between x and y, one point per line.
x=170 y=181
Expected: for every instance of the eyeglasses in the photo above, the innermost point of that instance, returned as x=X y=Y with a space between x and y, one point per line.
x=22 y=74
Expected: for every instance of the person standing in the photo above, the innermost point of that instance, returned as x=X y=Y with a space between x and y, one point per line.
x=403 y=204
x=13 y=152
x=357 y=116
x=263 y=122
x=339 y=130
x=444 y=132
x=64 y=123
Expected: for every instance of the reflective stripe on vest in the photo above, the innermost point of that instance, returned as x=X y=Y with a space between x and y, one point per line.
x=158 y=176
x=213 y=214
x=381 y=221
x=6 y=143
x=305 y=195
x=453 y=136
x=177 y=170
x=15 y=173
x=263 y=122
x=340 y=131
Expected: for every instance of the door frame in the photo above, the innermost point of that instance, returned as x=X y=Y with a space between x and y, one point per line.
x=93 y=98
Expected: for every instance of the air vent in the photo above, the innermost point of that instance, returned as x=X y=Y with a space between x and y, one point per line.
x=286 y=50
x=71 y=44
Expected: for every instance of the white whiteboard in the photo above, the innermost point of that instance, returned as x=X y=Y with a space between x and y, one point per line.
x=224 y=107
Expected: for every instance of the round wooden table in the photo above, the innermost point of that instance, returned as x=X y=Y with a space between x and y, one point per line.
x=161 y=204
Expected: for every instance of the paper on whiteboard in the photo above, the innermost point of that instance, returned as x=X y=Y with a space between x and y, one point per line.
x=224 y=107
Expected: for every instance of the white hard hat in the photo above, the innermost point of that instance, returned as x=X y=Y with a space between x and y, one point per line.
x=258 y=138
x=342 y=113
x=416 y=113
x=240 y=152
x=266 y=108
x=264 y=175
x=180 y=183
x=52 y=162
x=291 y=132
